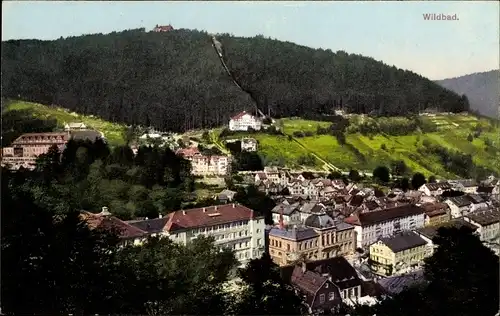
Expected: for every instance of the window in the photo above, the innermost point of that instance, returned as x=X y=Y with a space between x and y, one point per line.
x=331 y=296
x=321 y=298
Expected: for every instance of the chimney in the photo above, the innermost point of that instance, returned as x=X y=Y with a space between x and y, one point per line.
x=304 y=267
x=160 y=216
x=233 y=205
x=105 y=211
x=183 y=212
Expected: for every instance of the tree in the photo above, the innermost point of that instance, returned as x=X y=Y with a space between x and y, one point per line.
x=432 y=179
x=264 y=292
x=354 y=175
x=405 y=184
x=399 y=167
x=382 y=174
x=334 y=175
x=470 y=138
x=417 y=180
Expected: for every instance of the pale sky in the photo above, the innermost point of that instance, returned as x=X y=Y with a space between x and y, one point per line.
x=393 y=32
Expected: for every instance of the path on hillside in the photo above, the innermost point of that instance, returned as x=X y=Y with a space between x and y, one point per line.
x=219 y=50
x=217 y=144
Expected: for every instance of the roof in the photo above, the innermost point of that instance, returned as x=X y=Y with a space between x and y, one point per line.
x=438 y=185
x=286 y=209
x=240 y=115
x=227 y=193
x=208 y=216
x=124 y=229
x=435 y=209
x=49 y=138
x=403 y=241
x=85 y=135
x=151 y=226
x=460 y=201
x=308 y=281
x=319 y=221
x=296 y=234
x=372 y=218
x=466 y=183
x=190 y=151
x=164 y=27
x=475 y=198
x=431 y=231
x=76 y=125
x=484 y=189
x=396 y=284
x=485 y=217
x=341 y=271
x=262 y=175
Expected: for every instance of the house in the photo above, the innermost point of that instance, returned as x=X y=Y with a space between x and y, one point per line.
x=465 y=185
x=128 y=234
x=163 y=28
x=245 y=121
x=436 y=213
x=394 y=285
x=213 y=165
x=435 y=189
x=226 y=196
x=371 y=226
x=319 y=238
x=188 y=153
x=80 y=126
x=24 y=149
x=288 y=213
x=248 y=144
x=337 y=270
x=461 y=205
x=232 y=225
x=391 y=254
x=488 y=223
x=320 y=294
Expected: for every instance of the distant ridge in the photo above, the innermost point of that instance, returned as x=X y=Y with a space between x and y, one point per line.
x=481 y=88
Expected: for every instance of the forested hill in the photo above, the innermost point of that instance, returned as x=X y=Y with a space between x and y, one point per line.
x=175 y=81
x=481 y=88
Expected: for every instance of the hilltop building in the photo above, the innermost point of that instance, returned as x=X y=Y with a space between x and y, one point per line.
x=245 y=121
x=163 y=28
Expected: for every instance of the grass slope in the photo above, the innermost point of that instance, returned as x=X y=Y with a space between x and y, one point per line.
x=113 y=132
x=452 y=134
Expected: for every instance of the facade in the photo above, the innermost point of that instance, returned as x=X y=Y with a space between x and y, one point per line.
x=163 y=28
x=321 y=237
x=488 y=223
x=203 y=165
x=24 y=150
x=245 y=121
x=248 y=144
x=436 y=213
x=435 y=189
x=371 y=226
x=289 y=214
x=466 y=185
x=232 y=225
x=392 y=254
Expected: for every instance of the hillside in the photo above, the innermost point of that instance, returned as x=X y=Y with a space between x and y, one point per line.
x=482 y=90
x=439 y=146
x=174 y=80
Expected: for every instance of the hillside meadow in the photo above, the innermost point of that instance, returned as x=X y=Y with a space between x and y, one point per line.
x=366 y=152
x=113 y=132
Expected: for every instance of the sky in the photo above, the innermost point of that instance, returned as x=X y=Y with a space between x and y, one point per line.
x=393 y=32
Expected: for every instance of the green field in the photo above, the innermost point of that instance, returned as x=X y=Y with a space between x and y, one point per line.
x=113 y=132
x=452 y=132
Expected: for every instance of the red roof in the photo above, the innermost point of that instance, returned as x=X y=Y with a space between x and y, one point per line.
x=163 y=28
x=124 y=229
x=208 y=216
x=240 y=115
x=188 y=152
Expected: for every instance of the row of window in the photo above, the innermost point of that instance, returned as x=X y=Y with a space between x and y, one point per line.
x=222 y=227
x=331 y=297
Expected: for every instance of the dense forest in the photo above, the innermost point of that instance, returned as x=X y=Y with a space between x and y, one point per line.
x=175 y=81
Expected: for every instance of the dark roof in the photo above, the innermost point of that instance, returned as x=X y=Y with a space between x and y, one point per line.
x=371 y=218
x=434 y=209
x=431 y=231
x=403 y=241
x=483 y=189
x=356 y=200
x=460 y=201
x=475 y=198
x=85 y=135
x=371 y=205
x=296 y=234
x=151 y=226
x=319 y=221
x=438 y=185
x=396 y=284
x=124 y=230
x=485 y=217
x=371 y=288
x=308 y=281
x=467 y=183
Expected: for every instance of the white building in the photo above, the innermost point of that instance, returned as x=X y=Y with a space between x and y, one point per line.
x=75 y=127
x=435 y=189
x=488 y=221
x=210 y=165
x=466 y=185
x=232 y=225
x=462 y=205
x=371 y=226
x=248 y=144
x=243 y=121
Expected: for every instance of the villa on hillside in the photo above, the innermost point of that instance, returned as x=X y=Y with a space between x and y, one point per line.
x=244 y=121
x=163 y=28
x=76 y=126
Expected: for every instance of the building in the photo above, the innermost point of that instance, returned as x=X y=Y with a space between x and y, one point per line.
x=371 y=226
x=488 y=223
x=462 y=205
x=435 y=189
x=77 y=126
x=436 y=213
x=465 y=185
x=204 y=165
x=245 y=121
x=163 y=28
x=319 y=238
x=318 y=291
x=288 y=213
x=24 y=149
x=248 y=144
x=226 y=196
x=401 y=251
x=232 y=225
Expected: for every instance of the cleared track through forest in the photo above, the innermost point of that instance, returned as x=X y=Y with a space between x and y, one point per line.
x=219 y=51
